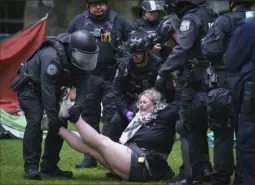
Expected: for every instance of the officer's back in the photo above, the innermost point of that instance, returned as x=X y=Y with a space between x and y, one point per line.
x=216 y=41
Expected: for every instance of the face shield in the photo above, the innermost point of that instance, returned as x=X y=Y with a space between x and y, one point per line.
x=84 y=60
x=153 y=5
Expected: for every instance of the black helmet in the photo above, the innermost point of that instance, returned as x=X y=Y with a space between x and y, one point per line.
x=174 y=3
x=84 y=50
x=233 y=3
x=167 y=27
x=96 y=1
x=152 y=5
x=138 y=41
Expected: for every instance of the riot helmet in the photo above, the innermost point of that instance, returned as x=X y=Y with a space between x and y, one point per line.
x=174 y=3
x=152 y=5
x=84 y=50
x=246 y=3
x=138 y=41
x=167 y=27
x=182 y=6
x=96 y=1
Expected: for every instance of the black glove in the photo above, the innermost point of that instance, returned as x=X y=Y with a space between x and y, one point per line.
x=160 y=84
x=74 y=113
x=54 y=125
x=165 y=87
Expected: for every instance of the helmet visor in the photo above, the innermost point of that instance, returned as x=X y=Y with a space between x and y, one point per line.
x=86 y=61
x=153 y=5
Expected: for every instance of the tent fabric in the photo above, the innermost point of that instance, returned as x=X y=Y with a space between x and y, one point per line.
x=16 y=50
x=15 y=125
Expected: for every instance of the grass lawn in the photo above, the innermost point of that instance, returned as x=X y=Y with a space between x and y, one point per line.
x=11 y=166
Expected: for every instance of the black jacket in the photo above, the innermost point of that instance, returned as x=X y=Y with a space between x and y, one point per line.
x=159 y=134
x=194 y=26
x=130 y=81
x=49 y=73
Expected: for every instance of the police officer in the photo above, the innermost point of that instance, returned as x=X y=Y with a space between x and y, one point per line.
x=150 y=16
x=110 y=29
x=167 y=35
x=213 y=46
x=133 y=76
x=187 y=57
x=58 y=62
x=244 y=63
x=150 y=19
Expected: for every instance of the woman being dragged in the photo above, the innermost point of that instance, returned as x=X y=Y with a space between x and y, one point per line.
x=142 y=151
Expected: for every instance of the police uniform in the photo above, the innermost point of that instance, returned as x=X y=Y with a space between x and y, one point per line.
x=49 y=69
x=109 y=31
x=187 y=57
x=213 y=47
x=244 y=64
x=128 y=83
x=145 y=25
x=101 y=78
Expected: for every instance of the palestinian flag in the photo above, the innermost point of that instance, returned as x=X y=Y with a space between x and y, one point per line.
x=14 y=50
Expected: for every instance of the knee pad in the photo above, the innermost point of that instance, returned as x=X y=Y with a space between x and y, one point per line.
x=219 y=108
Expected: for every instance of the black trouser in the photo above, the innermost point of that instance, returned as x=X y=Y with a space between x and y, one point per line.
x=98 y=90
x=31 y=103
x=118 y=123
x=193 y=114
x=245 y=142
x=223 y=155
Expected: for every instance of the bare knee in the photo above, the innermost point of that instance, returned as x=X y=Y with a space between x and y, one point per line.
x=103 y=143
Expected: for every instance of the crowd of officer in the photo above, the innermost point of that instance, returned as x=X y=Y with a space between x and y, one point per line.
x=193 y=56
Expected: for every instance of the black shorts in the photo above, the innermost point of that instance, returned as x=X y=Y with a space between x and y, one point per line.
x=138 y=171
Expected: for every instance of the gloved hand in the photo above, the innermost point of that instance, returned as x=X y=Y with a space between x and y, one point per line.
x=74 y=113
x=129 y=115
x=54 y=125
x=160 y=84
x=166 y=87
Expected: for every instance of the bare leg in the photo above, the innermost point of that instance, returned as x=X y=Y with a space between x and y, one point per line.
x=117 y=156
x=76 y=143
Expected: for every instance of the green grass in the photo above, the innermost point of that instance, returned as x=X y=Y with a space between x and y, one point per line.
x=11 y=166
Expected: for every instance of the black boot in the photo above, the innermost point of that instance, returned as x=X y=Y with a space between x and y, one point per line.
x=87 y=162
x=181 y=180
x=56 y=173
x=32 y=174
x=207 y=173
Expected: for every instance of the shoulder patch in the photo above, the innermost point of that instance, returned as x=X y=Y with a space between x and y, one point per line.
x=185 y=25
x=51 y=69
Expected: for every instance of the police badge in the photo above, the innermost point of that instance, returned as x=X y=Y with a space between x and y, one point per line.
x=185 y=25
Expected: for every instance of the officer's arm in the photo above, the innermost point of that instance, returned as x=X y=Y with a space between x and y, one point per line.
x=186 y=37
x=134 y=26
x=119 y=84
x=212 y=45
x=240 y=47
x=82 y=80
x=49 y=75
x=72 y=27
x=121 y=29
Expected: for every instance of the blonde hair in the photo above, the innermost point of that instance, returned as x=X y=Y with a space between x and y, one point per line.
x=152 y=94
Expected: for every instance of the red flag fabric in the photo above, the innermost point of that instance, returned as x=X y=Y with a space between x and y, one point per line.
x=13 y=52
